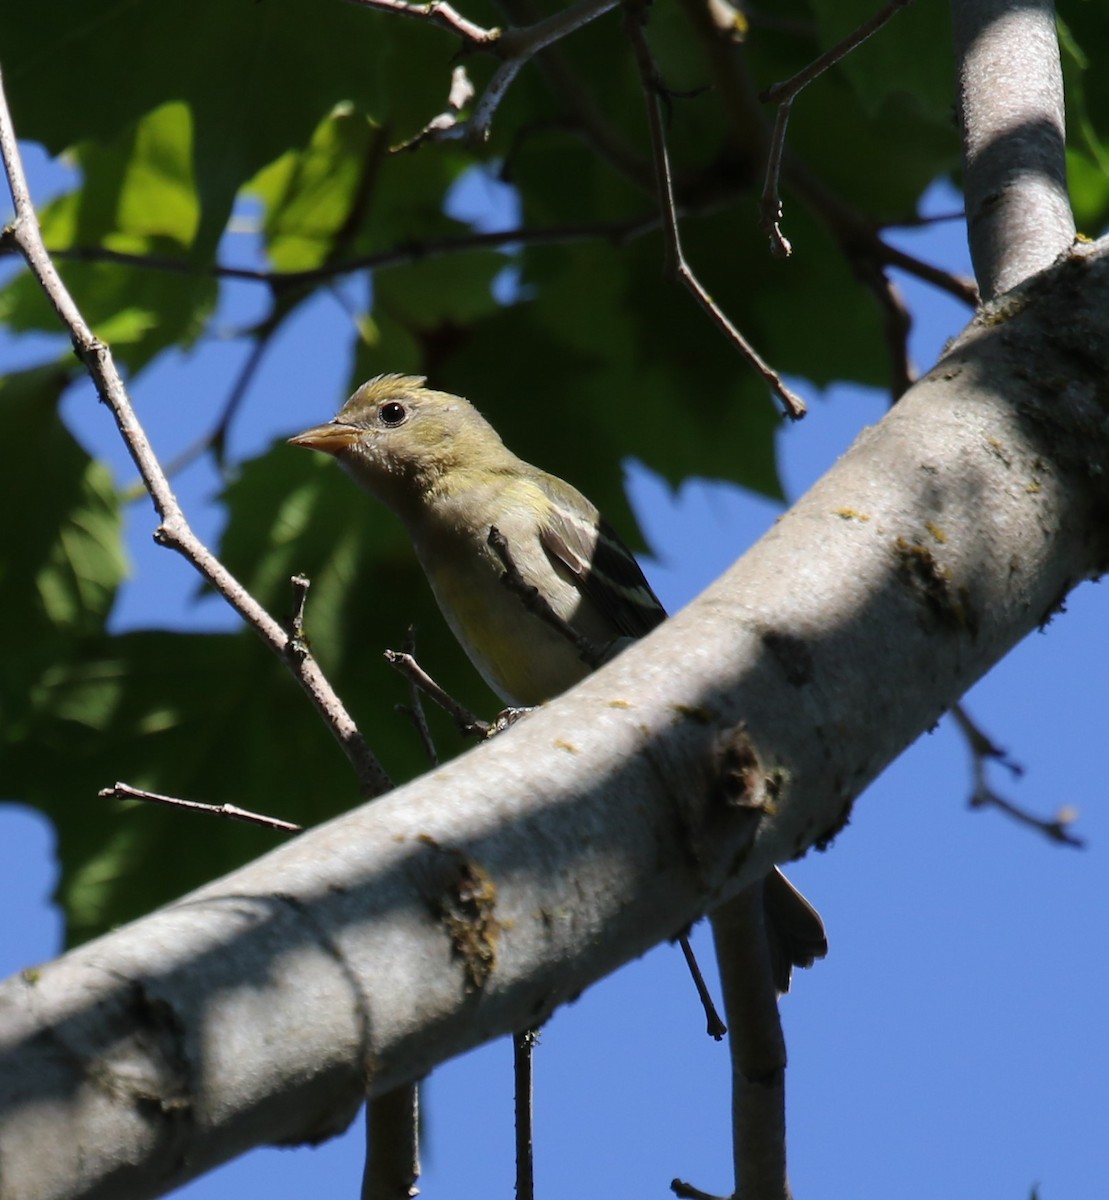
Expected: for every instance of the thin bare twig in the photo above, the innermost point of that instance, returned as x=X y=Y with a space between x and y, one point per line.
x=716 y=1028
x=215 y=439
x=392 y=1163
x=124 y=791
x=467 y=723
x=635 y=19
x=855 y=233
x=174 y=530
x=515 y=47
x=414 y=709
x=960 y=286
x=300 y=585
x=522 y=45
x=619 y=233
x=784 y=93
x=770 y=202
x=983 y=750
x=897 y=323
x=584 y=114
x=460 y=94
x=523 y=1054
x=440 y=13
x=790 y=87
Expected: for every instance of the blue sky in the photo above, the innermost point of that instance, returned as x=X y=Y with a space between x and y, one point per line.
x=953 y=1043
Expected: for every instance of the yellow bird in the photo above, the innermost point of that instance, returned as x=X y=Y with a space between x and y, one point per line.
x=442 y=468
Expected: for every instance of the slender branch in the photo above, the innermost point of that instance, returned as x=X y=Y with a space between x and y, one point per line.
x=584 y=114
x=897 y=323
x=854 y=231
x=716 y=1028
x=770 y=202
x=523 y=1053
x=124 y=791
x=1014 y=133
x=635 y=19
x=460 y=94
x=619 y=233
x=298 y=639
x=788 y=88
x=784 y=93
x=959 y=286
x=757 y=1046
x=174 y=530
x=516 y=47
x=440 y=13
x=523 y=45
x=466 y=722
x=215 y=439
x=392 y=1163
x=414 y=709
x=983 y=750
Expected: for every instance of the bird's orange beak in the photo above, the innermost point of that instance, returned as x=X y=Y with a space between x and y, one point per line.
x=332 y=438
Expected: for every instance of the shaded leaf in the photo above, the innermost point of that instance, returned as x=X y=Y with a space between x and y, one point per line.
x=61 y=557
x=138 y=198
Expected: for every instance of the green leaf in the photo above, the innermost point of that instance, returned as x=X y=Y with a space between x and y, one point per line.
x=138 y=197
x=451 y=289
x=206 y=717
x=1087 y=101
x=894 y=61
x=256 y=77
x=292 y=512
x=61 y=558
x=309 y=195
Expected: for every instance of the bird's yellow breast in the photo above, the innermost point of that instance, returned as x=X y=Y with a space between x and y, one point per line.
x=518 y=654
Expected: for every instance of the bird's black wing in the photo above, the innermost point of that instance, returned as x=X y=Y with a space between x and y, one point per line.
x=605 y=570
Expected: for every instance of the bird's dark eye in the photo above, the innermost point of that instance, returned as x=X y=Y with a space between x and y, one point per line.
x=393 y=412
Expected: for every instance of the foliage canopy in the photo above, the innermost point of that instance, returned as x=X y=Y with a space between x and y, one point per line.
x=284 y=113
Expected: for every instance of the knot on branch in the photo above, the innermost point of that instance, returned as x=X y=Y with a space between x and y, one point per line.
x=463 y=897
x=742 y=781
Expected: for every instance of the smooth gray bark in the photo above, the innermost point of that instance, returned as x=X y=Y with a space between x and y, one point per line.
x=1014 y=130
x=474 y=901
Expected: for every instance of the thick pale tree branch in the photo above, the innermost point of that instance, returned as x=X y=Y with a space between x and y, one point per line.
x=757 y=1050
x=756 y=1046
x=1014 y=138
x=476 y=900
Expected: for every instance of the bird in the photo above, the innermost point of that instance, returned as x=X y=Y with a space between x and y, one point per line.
x=475 y=512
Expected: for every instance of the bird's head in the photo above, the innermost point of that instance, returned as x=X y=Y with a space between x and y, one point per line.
x=397 y=438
